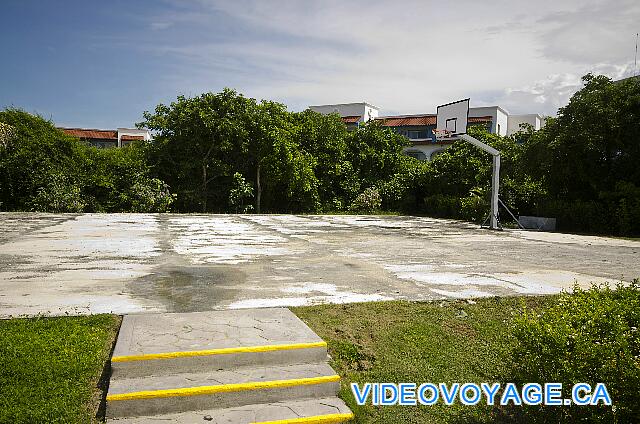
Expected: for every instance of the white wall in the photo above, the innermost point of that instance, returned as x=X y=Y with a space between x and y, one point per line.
x=498 y=117
x=532 y=119
x=370 y=112
x=133 y=131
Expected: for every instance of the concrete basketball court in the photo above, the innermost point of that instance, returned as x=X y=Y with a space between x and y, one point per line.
x=126 y=263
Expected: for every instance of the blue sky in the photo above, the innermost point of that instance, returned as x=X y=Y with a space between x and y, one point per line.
x=100 y=64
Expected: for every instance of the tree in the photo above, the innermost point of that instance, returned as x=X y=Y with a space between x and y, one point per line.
x=266 y=122
x=44 y=169
x=39 y=161
x=587 y=158
x=198 y=144
x=324 y=137
x=594 y=141
x=202 y=142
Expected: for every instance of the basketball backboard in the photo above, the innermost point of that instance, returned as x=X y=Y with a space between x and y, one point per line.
x=453 y=117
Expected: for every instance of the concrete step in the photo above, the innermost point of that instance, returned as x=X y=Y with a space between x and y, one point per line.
x=168 y=393
x=321 y=410
x=156 y=344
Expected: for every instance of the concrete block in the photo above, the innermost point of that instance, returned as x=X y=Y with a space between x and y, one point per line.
x=220 y=389
x=293 y=409
x=172 y=343
x=538 y=223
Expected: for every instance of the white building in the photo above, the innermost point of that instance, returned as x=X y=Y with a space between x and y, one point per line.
x=352 y=113
x=105 y=139
x=419 y=128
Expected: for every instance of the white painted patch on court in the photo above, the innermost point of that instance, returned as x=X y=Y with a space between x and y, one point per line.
x=425 y=276
x=327 y=293
x=467 y=293
x=224 y=240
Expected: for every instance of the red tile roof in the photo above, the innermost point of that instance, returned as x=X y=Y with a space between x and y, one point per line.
x=351 y=119
x=476 y=119
x=402 y=121
x=99 y=134
x=418 y=120
x=131 y=137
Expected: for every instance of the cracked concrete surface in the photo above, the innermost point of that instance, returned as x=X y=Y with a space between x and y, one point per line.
x=125 y=263
x=249 y=413
x=158 y=333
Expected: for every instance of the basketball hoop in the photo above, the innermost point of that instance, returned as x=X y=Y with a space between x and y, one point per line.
x=442 y=134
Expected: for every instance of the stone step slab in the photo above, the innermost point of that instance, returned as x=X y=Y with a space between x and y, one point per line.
x=221 y=389
x=321 y=410
x=153 y=344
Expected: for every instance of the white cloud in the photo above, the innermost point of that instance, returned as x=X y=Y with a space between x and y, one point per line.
x=545 y=96
x=404 y=56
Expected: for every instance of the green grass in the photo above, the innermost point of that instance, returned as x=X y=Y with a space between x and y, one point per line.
x=51 y=368
x=418 y=343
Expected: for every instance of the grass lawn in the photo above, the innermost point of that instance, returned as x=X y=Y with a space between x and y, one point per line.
x=417 y=343
x=51 y=368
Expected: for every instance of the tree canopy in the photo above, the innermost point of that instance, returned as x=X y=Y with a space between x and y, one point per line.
x=297 y=162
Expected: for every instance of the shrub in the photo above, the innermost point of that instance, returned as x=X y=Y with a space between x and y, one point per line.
x=150 y=195
x=474 y=208
x=442 y=205
x=58 y=195
x=241 y=191
x=368 y=201
x=588 y=336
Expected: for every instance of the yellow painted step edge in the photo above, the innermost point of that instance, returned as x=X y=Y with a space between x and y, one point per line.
x=223 y=351
x=222 y=388
x=316 y=419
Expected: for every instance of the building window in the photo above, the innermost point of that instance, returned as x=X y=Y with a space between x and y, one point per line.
x=417 y=134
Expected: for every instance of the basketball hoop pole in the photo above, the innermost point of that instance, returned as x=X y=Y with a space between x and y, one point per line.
x=495 y=178
x=452 y=121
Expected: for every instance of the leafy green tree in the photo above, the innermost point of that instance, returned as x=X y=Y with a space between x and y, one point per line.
x=267 y=124
x=198 y=145
x=43 y=169
x=375 y=152
x=38 y=162
x=593 y=142
x=587 y=158
x=293 y=185
x=324 y=137
x=202 y=142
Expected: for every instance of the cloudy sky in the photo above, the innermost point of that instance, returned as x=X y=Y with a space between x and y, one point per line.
x=99 y=64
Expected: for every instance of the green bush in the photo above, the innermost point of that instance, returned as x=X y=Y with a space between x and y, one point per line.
x=589 y=336
x=44 y=169
x=474 y=208
x=442 y=205
x=149 y=195
x=241 y=192
x=368 y=201
x=58 y=195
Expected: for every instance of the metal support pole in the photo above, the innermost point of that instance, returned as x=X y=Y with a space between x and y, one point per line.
x=495 y=189
x=495 y=178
